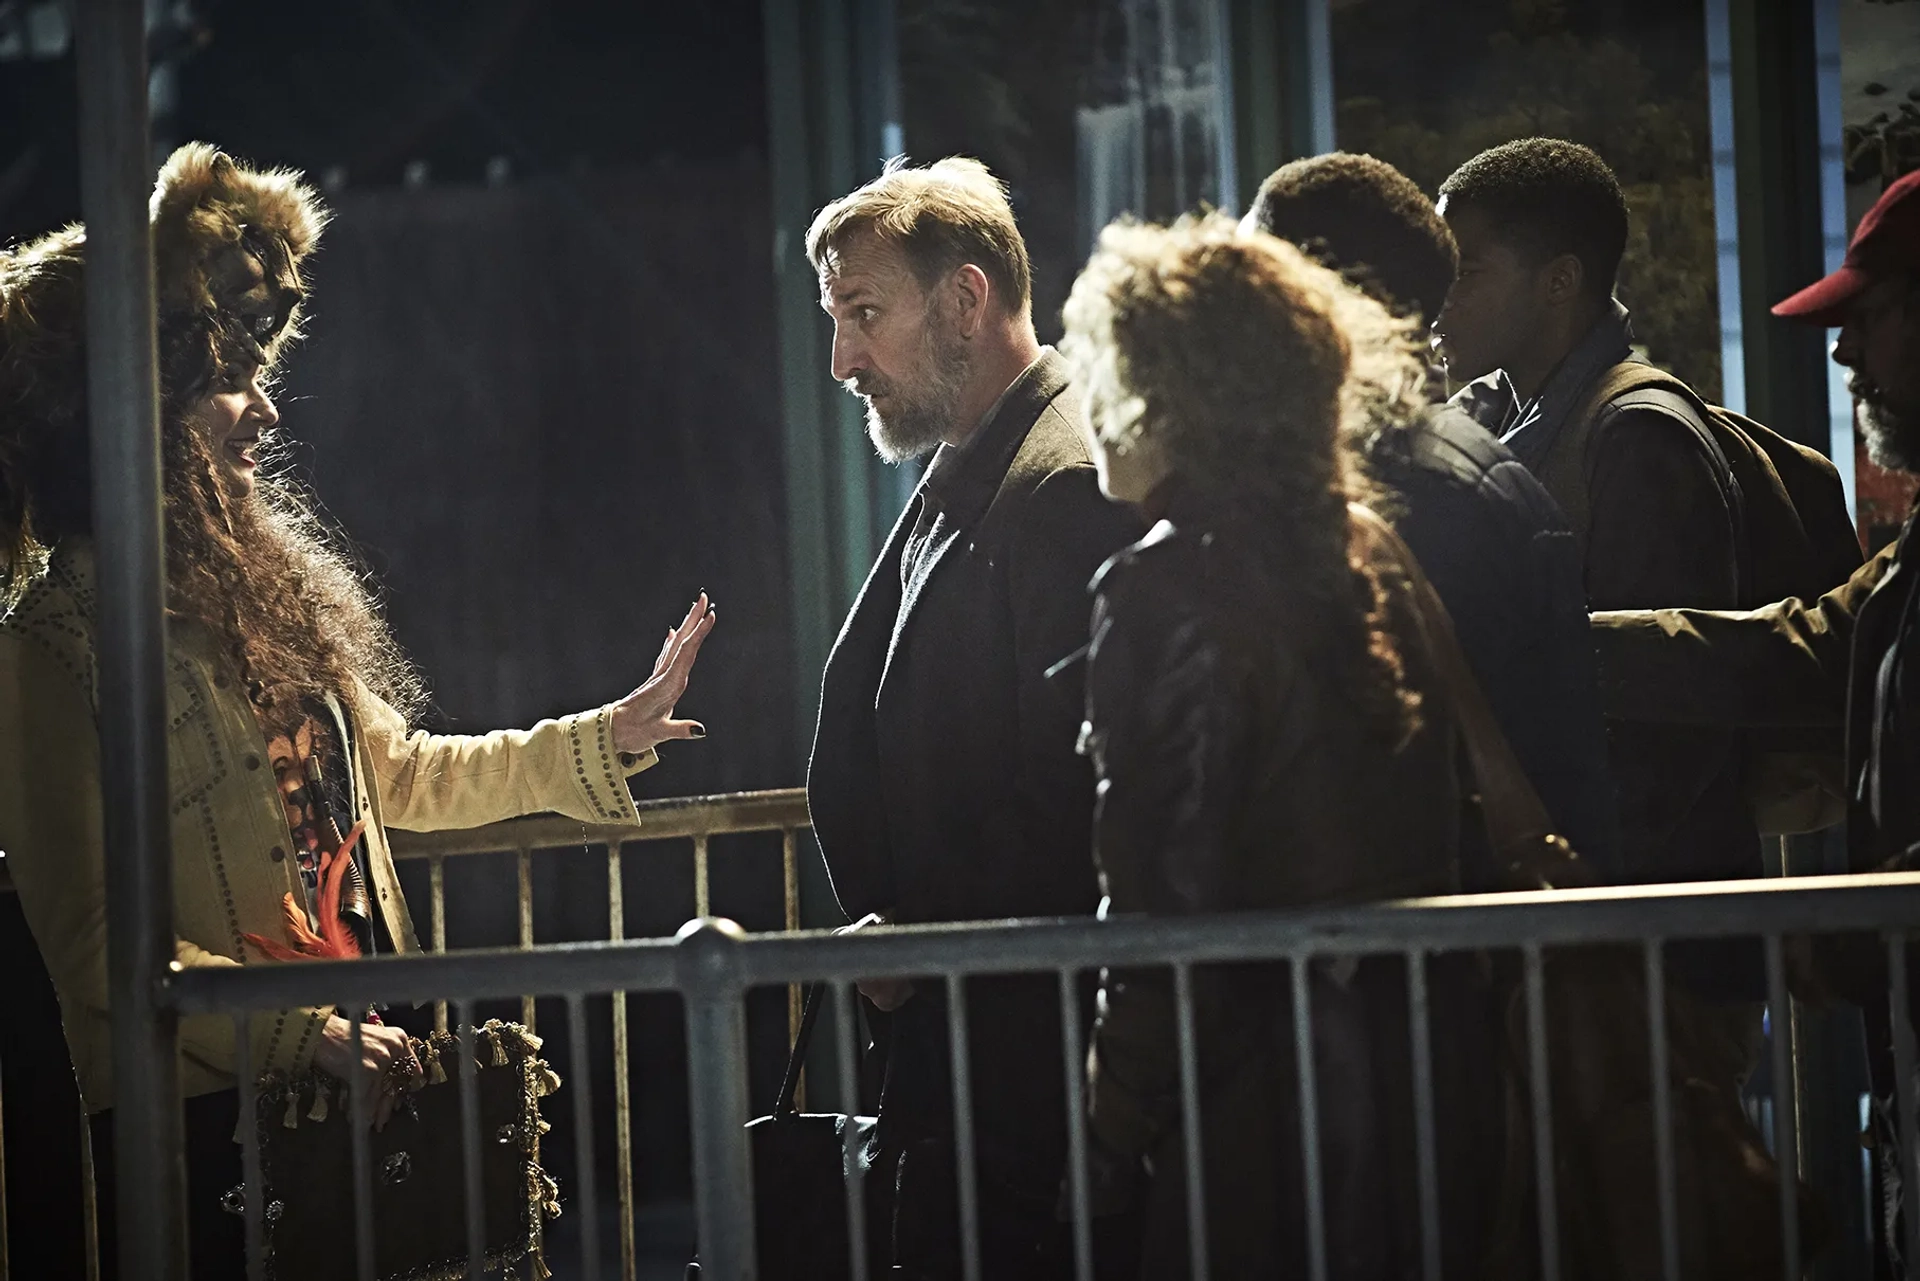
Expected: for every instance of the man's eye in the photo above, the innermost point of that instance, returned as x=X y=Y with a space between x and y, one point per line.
x=866 y=314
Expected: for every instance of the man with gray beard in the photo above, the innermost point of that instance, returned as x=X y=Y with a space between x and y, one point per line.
x=944 y=784
x=1849 y=660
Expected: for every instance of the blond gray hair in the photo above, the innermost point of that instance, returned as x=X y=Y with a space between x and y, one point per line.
x=941 y=216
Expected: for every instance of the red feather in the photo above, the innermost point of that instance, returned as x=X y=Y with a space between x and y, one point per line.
x=335 y=941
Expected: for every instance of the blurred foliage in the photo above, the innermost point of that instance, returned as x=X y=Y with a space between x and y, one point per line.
x=1535 y=73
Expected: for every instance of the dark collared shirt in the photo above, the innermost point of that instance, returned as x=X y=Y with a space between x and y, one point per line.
x=1530 y=428
x=937 y=487
x=1659 y=533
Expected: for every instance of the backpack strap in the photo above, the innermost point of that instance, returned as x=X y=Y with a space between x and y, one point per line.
x=1519 y=828
x=1635 y=385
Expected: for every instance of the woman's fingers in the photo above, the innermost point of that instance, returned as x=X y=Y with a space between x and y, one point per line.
x=691 y=643
x=694 y=624
x=665 y=655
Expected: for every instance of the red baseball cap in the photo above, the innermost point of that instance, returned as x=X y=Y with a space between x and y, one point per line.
x=1886 y=241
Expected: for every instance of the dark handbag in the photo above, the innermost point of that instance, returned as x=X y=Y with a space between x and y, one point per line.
x=419 y=1187
x=1600 y=1049
x=800 y=1181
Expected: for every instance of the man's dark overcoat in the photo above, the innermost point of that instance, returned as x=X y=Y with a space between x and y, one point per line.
x=944 y=782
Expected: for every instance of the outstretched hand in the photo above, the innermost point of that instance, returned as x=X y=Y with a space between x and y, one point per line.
x=644 y=718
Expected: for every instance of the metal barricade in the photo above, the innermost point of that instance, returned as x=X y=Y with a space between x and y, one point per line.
x=713 y=965
x=689 y=818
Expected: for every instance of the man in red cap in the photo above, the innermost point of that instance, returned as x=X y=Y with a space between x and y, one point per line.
x=1848 y=662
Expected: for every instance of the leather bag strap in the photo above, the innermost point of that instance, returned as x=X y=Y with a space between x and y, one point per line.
x=790 y=1083
x=1519 y=827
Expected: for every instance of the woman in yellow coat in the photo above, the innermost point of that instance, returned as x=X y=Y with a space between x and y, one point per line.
x=290 y=752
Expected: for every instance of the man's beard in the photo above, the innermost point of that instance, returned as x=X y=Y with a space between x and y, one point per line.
x=919 y=415
x=1892 y=435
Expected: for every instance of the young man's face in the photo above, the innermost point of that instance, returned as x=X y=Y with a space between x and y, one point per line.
x=1880 y=344
x=894 y=346
x=1496 y=303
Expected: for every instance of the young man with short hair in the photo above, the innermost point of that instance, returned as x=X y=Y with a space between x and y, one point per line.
x=1489 y=537
x=944 y=782
x=1541 y=225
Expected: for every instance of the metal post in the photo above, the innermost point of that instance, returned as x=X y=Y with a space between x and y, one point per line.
x=1775 y=117
x=717 y=1095
x=622 y=1079
x=116 y=176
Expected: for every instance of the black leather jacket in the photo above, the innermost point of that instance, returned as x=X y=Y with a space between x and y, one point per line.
x=1235 y=774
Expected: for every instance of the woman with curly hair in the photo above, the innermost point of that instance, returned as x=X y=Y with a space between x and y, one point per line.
x=288 y=703
x=1266 y=728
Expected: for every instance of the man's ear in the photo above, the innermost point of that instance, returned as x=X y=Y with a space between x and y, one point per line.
x=1565 y=279
x=971 y=293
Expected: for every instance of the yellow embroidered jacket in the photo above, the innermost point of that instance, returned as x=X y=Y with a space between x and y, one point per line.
x=230 y=836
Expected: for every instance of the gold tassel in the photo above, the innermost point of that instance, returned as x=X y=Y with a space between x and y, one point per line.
x=540 y=1268
x=528 y=1041
x=436 y=1070
x=546 y=1127
x=319 y=1109
x=499 y=1058
x=547 y=1082
x=292 y=1120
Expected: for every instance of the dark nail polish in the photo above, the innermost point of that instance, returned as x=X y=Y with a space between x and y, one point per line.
x=699 y=731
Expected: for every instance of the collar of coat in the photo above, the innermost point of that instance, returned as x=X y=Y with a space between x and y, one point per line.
x=963 y=484
x=1531 y=428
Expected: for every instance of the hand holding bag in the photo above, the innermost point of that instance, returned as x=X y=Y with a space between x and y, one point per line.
x=419 y=1189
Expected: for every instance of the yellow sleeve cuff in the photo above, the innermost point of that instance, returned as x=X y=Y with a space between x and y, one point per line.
x=600 y=770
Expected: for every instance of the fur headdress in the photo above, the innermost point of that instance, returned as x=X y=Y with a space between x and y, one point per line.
x=228 y=247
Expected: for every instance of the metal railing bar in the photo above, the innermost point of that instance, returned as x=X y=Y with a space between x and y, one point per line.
x=1666 y=1178
x=668 y=819
x=1420 y=1041
x=129 y=634
x=437 y=869
x=586 y=1193
x=1903 y=1071
x=966 y=1171
x=1190 y=1119
x=253 y=1181
x=1545 y=1182
x=1309 y=1117
x=790 y=920
x=702 y=882
x=470 y=1138
x=1469 y=922
x=360 y=1122
x=1074 y=1053
x=524 y=893
x=717 y=1096
x=622 y=1085
x=853 y=1174
x=1786 y=1146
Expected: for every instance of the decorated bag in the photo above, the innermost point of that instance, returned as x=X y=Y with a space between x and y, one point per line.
x=419 y=1181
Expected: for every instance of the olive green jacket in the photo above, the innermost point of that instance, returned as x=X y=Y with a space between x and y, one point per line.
x=229 y=827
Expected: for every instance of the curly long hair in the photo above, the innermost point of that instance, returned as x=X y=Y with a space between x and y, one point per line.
x=267 y=575
x=1251 y=368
